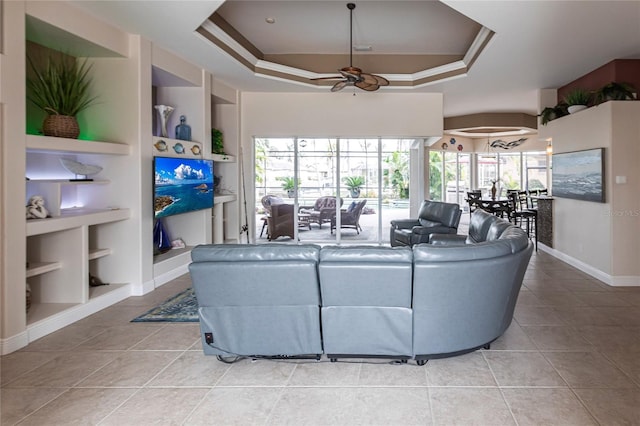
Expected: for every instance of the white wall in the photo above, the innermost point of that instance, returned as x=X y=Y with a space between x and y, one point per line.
x=602 y=236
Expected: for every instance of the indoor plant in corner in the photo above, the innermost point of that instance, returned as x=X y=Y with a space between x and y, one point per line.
x=354 y=183
x=61 y=90
x=577 y=100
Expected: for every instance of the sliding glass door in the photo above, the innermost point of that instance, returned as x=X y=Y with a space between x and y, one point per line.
x=343 y=190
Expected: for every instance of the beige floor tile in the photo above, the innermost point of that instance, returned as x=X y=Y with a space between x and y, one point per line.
x=67 y=338
x=258 y=373
x=513 y=339
x=65 y=369
x=133 y=368
x=469 y=406
x=384 y=374
x=464 y=370
x=612 y=338
x=315 y=406
x=156 y=407
x=582 y=315
x=121 y=337
x=235 y=406
x=624 y=316
x=588 y=370
x=114 y=316
x=18 y=363
x=79 y=406
x=581 y=285
x=602 y=298
x=546 y=407
x=522 y=369
x=172 y=337
x=391 y=406
x=612 y=407
x=16 y=403
x=326 y=374
x=557 y=338
x=558 y=298
x=628 y=362
x=534 y=315
x=191 y=368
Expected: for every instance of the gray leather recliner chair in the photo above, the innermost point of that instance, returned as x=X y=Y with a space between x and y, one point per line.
x=434 y=217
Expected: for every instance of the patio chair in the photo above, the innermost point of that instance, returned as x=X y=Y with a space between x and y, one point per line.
x=350 y=218
x=267 y=201
x=322 y=210
x=280 y=221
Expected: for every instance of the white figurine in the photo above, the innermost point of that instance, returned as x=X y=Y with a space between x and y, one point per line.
x=36 y=208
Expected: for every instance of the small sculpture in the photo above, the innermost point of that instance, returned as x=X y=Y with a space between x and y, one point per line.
x=36 y=208
x=183 y=130
x=164 y=111
x=80 y=169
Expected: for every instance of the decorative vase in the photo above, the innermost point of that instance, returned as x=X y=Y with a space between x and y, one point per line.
x=183 y=130
x=354 y=192
x=164 y=111
x=161 y=240
x=493 y=191
x=61 y=126
x=291 y=193
x=575 y=108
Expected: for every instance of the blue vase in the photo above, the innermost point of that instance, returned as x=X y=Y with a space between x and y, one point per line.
x=161 y=240
x=183 y=130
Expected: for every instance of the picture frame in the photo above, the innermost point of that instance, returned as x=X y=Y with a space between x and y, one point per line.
x=579 y=175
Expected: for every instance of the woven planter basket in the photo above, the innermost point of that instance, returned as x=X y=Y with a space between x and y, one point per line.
x=61 y=126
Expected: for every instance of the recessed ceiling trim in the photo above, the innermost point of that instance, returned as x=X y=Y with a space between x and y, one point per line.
x=219 y=32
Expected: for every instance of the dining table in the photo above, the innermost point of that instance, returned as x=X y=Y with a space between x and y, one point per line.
x=499 y=206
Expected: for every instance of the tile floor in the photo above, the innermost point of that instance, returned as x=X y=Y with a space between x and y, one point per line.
x=571 y=357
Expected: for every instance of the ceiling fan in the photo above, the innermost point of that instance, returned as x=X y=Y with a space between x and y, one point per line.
x=353 y=76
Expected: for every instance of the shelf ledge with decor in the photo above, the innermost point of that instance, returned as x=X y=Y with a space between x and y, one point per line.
x=49 y=144
x=223 y=158
x=73 y=218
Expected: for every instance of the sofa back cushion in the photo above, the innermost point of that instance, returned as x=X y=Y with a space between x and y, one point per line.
x=479 y=225
x=447 y=214
x=259 y=275
x=516 y=238
x=496 y=229
x=365 y=276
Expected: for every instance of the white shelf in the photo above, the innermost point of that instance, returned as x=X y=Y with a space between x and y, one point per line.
x=223 y=158
x=69 y=181
x=50 y=144
x=39 y=268
x=73 y=218
x=98 y=253
x=42 y=311
x=95 y=292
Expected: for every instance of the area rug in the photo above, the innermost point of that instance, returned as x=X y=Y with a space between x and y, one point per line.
x=182 y=307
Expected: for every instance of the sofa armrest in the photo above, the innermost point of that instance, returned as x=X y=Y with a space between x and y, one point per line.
x=404 y=223
x=448 y=239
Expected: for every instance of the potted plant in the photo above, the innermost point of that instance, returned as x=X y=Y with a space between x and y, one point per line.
x=614 y=92
x=577 y=100
x=551 y=113
x=354 y=183
x=62 y=91
x=289 y=185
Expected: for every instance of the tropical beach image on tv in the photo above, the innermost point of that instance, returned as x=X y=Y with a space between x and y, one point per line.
x=182 y=185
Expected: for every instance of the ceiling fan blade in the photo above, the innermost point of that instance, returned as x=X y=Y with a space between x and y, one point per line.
x=381 y=80
x=339 y=86
x=368 y=87
x=335 y=77
x=369 y=78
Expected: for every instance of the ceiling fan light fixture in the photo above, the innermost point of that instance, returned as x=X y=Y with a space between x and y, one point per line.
x=353 y=76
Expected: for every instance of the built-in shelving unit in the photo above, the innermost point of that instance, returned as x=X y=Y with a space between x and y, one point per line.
x=101 y=227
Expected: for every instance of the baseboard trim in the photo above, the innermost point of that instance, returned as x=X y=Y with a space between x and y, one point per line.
x=14 y=343
x=171 y=275
x=612 y=280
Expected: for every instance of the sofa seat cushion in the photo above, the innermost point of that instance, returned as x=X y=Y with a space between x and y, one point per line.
x=429 y=223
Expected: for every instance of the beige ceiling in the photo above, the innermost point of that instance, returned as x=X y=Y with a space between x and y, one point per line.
x=411 y=43
x=536 y=44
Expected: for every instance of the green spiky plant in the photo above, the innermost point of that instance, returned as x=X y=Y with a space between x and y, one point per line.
x=577 y=97
x=614 y=92
x=61 y=88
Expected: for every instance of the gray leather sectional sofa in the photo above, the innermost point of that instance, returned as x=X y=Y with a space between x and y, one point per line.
x=429 y=301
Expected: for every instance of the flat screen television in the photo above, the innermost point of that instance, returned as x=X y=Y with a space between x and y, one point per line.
x=182 y=185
